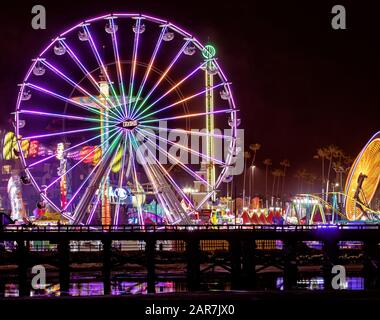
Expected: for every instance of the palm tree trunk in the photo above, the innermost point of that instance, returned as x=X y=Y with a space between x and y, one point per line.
x=323 y=174
x=328 y=178
x=250 y=185
x=266 y=181
x=283 y=182
x=244 y=172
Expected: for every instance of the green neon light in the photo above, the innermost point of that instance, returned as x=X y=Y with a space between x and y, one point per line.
x=209 y=51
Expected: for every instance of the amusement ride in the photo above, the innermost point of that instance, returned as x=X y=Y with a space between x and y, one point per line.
x=119 y=103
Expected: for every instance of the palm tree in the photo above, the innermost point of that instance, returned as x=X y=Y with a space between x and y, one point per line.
x=332 y=152
x=267 y=162
x=322 y=154
x=280 y=177
x=310 y=179
x=276 y=176
x=301 y=175
x=284 y=164
x=247 y=155
x=254 y=147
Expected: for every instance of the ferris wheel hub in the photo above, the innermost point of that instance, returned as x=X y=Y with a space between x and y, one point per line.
x=128 y=124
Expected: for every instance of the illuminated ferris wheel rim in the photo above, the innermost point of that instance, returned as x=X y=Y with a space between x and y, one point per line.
x=350 y=200
x=162 y=23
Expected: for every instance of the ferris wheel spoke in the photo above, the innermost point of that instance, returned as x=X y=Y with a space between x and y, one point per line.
x=202 y=155
x=190 y=132
x=115 y=46
x=80 y=161
x=104 y=156
x=63 y=98
x=134 y=145
x=191 y=115
x=136 y=184
x=71 y=148
x=181 y=101
x=204 y=200
x=64 y=133
x=98 y=196
x=75 y=85
x=95 y=206
x=180 y=163
x=147 y=71
x=121 y=179
x=101 y=64
x=57 y=115
x=133 y=65
x=88 y=75
x=164 y=74
x=137 y=114
x=168 y=176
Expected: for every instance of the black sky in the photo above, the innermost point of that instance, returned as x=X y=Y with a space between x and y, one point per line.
x=298 y=83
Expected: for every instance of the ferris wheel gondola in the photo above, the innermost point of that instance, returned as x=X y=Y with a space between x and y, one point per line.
x=102 y=91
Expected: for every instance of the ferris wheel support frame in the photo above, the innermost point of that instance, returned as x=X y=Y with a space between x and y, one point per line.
x=109 y=114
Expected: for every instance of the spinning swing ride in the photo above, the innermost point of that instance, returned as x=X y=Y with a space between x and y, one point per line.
x=110 y=94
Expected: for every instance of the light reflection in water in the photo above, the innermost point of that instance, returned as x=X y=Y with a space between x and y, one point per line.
x=317 y=283
x=96 y=288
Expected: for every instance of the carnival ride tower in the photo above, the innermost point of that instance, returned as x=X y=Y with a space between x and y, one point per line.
x=209 y=53
x=104 y=131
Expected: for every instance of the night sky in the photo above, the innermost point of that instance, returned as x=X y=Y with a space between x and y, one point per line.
x=298 y=83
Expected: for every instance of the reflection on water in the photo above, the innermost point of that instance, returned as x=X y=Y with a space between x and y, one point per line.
x=317 y=283
x=96 y=288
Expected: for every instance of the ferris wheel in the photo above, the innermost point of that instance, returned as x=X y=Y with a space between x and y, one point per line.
x=362 y=182
x=112 y=98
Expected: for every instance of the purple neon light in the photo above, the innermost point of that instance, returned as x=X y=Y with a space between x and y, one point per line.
x=146 y=75
x=64 y=132
x=189 y=171
x=58 y=96
x=133 y=66
x=179 y=53
x=57 y=115
x=80 y=161
x=136 y=184
x=101 y=64
x=183 y=147
x=181 y=101
x=89 y=76
x=74 y=84
x=90 y=217
x=154 y=19
x=182 y=131
x=118 y=64
x=172 y=180
x=121 y=179
x=188 y=116
x=91 y=173
x=73 y=147
x=169 y=91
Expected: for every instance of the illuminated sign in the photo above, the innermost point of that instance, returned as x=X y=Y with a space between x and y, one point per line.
x=128 y=124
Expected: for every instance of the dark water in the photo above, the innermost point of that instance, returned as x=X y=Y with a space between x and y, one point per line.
x=126 y=287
